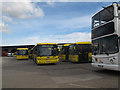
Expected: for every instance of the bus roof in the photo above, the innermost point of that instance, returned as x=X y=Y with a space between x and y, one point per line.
x=46 y=43
x=66 y=44
x=82 y=43
x=107 y=7
x=22 y=48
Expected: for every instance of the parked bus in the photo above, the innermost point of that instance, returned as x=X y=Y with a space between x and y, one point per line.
x=64 y=53
x=15 y=54
x=22 y=53
x=106 y=38
x=45 y=53
x=30 y=53
x=79 y=52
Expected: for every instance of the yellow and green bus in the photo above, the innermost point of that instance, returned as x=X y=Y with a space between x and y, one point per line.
x=64 y=53
x=45 y=53
x=22 y=53
x=80 y=52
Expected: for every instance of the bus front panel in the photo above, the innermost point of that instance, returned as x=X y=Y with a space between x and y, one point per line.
x=22 y=54
x=46 y=54
x=47 y=59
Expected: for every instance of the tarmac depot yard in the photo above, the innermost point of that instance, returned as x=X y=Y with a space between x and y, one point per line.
x=26 y=74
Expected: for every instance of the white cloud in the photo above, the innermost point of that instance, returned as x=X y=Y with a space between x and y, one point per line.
x=50 y=3
x=72 y=38
x=70 y=0
x=21 y=10
x=78 y=22
x=4 y=28
x=68 y=38
x=8 y=19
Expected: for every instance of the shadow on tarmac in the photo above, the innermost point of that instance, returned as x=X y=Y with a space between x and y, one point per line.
x=51 y=64
x=109 y=72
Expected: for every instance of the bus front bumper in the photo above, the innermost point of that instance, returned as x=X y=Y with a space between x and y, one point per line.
x=47 y=61
x=22 y=57
x=106 y=66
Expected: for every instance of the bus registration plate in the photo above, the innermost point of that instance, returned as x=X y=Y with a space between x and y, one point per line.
x=100 y=66
x=48 y=61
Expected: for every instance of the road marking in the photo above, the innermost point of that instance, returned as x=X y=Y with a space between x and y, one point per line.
x=75 y=78
x=81 y=86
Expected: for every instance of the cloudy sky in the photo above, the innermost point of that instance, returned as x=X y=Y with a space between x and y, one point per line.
x=35 y=22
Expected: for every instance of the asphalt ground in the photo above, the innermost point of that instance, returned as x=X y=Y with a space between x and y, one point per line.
x=26 y=74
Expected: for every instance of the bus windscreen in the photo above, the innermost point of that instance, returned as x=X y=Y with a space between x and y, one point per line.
x=22 y=52
x=50 y=50
x=106 y=45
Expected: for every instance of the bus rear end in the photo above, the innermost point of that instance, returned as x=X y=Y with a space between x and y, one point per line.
x=80 y=52
x=46 y=53
x=64 y=53
x=22 y=53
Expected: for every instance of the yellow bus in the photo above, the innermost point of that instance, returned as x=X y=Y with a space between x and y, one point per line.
x=22 y=53
x=64 y=52
x=15 y=54
x=80 y=52
x=45 y=53
x=30 y=53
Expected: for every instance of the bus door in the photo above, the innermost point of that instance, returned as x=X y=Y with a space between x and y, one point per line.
x=67 y=54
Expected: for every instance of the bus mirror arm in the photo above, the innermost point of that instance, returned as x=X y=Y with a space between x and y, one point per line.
x=95 y=53
x=118 y=38
x=107 y=53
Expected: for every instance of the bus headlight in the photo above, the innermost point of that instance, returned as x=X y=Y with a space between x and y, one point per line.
x=93 y=61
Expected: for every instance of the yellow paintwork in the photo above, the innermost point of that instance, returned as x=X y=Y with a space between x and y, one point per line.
x=73 y=58
x=83 y=43
x=80 y=43
x=46 y=43
x=29 y=53
x=66 y=44
x=22 y=57
x=22 y=48
x=90 y=55
x=15 y=54
x=46 y=60
x=62 y=57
